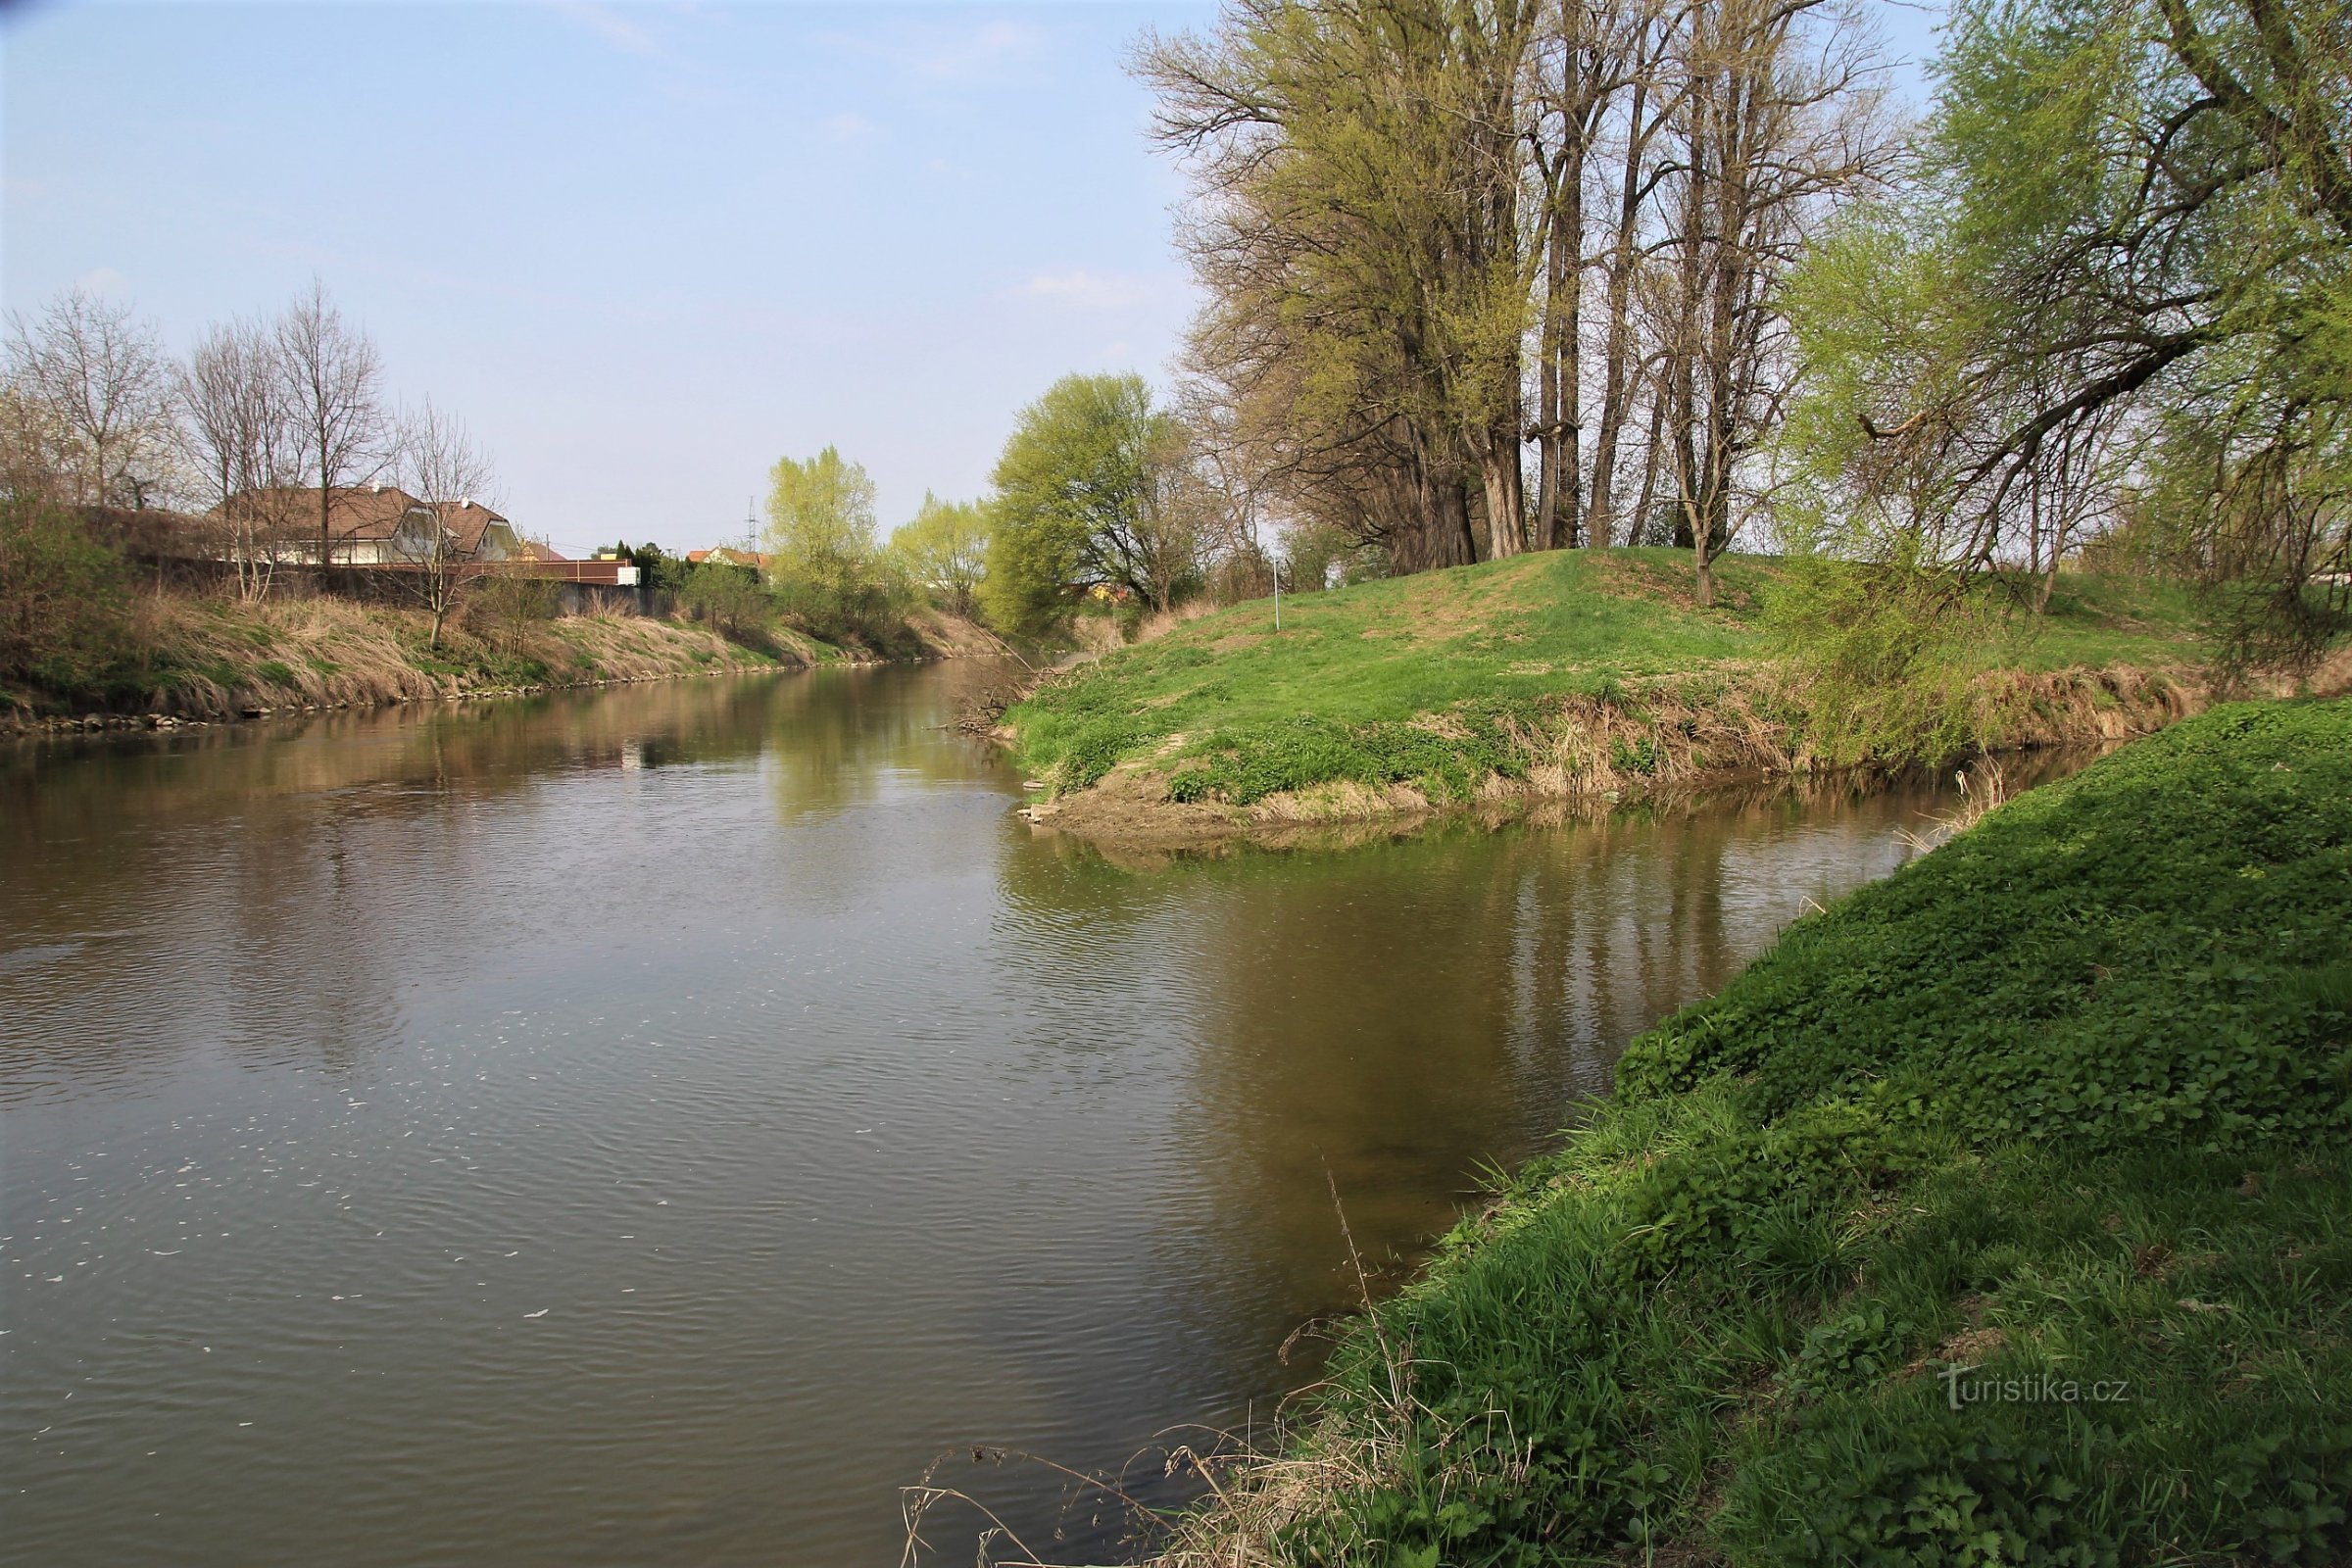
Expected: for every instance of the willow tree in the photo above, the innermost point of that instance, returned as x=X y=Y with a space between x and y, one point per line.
x=1403 y=208
x=1770 y=125
x=945 y=547
x=1085 y=498
x=1360 y=226
x=2139 y=217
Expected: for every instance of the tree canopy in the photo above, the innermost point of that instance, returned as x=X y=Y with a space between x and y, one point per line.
x=945 y=547
x=1084 y=498
x=2116 y=291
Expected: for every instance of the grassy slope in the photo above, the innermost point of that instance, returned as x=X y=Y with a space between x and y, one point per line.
x=1489 y=645
x=2070 y=1099
x=204 y=658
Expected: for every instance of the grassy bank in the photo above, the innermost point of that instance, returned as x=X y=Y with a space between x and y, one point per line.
x=1563 y=672
x=198 y=658
x=2000 y=1213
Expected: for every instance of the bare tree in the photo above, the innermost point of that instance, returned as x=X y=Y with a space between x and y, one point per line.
x=32 y=444
x=437 y=462
x=1771 y=123
x=239 y=429
x=104 y=400
x=333 y=384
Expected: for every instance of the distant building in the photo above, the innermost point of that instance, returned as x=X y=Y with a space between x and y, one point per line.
x=371 y=525
x=729 y=555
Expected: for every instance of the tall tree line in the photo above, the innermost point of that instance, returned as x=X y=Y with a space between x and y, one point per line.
x=1450 y=244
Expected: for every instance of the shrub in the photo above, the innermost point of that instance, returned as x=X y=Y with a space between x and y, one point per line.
x=728 y=597
x=64 y=604
x=501 y=609
x=843 y=600
x=1878 y=652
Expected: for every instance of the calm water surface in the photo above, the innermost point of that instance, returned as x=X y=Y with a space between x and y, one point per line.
x=652 y=1126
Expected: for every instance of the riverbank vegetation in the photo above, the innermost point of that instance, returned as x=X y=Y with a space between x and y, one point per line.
x=1565 y=672
x=336 y=549
x=2037 y=415
x=1996 y=1214
x=82 y=633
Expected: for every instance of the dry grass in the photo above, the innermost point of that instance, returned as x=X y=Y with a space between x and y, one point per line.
x=210 y=659
x=1676 y=734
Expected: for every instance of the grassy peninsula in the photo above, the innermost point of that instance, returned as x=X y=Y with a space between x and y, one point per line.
x=1557 y=673
x=2000 y=1213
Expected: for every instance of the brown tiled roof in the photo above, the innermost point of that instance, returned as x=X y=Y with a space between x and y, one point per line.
x=356 y=512
x=365 y=512
x=467 y=522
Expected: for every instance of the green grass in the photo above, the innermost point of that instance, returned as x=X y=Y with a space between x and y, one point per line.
x=2068 y=1100
x=1347 y=689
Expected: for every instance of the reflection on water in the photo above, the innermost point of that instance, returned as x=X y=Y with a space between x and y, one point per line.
x=654 y=1124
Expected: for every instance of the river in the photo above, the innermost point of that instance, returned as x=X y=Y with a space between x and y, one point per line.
x=654 y=1125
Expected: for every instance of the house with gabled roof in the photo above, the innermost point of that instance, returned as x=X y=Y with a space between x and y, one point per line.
x=375 y=525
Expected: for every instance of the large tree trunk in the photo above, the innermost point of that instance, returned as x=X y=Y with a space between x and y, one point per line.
x=1564 y=433
x=1652 y=458
x=1435 y=532
x=1500 y=482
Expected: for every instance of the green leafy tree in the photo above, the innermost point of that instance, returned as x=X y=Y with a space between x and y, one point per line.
x=2118 y=281
x=1084 y=493
x=729 y=597
x=820 y=516
x=945 y=550
x=824 y=565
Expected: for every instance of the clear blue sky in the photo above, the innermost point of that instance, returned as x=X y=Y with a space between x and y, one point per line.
x=644 y=250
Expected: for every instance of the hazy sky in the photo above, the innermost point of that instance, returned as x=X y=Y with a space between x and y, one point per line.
x=643 y=250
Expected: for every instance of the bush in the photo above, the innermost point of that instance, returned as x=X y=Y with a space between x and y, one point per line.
x=1878 y=650
x=846 y=601
x=501 y=609
x=728 y=597
x=65 y=627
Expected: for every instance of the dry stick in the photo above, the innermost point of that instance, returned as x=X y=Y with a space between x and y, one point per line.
x=926 y=1494
x=1363 y=1289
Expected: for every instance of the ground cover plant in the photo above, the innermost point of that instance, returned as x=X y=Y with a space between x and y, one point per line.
x=2000 y=1213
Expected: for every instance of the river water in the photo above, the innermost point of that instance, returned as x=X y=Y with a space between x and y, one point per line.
x=655 y=1125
